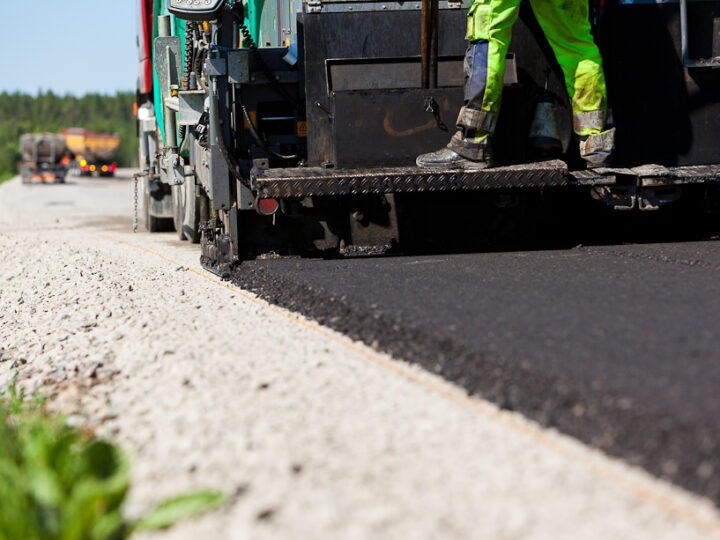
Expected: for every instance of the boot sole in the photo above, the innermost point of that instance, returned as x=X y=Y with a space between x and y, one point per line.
x=465 y=166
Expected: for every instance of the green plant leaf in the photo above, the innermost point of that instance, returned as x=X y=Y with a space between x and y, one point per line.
x=175 y=509
x=58 y=483
x=109 y=527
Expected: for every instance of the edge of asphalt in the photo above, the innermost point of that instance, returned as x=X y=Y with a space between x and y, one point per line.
x=689 y=508
x=682 y=453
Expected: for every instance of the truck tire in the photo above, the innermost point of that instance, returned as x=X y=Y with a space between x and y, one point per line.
x=188 y=202
x=152 y=223
x=178 y=199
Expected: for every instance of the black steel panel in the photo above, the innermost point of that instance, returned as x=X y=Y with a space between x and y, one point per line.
x=389 y=128
x=393 y=35
x=384 y=34
x=372 y=74
x=664 y=113
x=317 y=181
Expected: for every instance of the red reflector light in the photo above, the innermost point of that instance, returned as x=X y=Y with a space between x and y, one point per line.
x=85 y=168
x=267 y=207
x=113 y=167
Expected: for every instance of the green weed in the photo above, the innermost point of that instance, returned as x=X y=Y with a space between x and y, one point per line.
x=60 y=483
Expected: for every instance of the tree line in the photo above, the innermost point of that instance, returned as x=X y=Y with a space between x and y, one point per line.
x=47 y=112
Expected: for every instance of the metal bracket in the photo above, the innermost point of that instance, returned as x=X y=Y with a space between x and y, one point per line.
x=261 y=164
x=245 y=197
x=175 y=170
x=191 y=107
x=216 y=67
x=645 y=199
x=314 y=6
x=149 y=125
x=168 y=64
x=652 y=198
x=617 y=197
x=238 y=62
x=180 y=173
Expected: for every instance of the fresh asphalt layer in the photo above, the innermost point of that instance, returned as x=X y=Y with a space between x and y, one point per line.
x=618 y=346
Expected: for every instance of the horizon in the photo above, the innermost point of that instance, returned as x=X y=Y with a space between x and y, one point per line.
x=50 y=91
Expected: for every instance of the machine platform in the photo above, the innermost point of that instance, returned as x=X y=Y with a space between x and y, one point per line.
x=317 y=181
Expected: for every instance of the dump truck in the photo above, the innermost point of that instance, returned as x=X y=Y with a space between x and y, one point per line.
x=94 y=152
x=44 y=157
x=297 y=123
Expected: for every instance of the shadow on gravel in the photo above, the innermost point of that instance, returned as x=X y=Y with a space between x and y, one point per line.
x=110 y=224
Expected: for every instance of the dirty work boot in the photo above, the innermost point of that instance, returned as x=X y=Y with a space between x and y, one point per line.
x=597 y=150
x=461 y=153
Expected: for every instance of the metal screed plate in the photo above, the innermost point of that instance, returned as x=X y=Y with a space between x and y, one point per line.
x=317 y=181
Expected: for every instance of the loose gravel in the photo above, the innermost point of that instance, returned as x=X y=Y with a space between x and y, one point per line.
x=313 y=435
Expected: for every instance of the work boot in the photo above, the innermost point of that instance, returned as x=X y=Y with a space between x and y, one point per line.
x=461 y=153
x=597 y=150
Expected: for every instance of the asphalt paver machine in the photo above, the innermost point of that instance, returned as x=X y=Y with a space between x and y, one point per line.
x=297 y=123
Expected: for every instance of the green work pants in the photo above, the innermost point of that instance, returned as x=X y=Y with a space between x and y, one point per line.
x=567 y=29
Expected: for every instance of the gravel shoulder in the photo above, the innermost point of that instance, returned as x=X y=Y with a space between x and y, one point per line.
x=316 y=436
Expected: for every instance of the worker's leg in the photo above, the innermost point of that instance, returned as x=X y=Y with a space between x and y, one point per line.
x=567 y=28
x=488 y=32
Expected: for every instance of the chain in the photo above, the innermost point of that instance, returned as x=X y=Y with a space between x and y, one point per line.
x=432 y=106
x=135 y=205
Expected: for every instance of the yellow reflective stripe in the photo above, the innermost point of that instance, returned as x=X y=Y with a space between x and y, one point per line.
x=478 y=120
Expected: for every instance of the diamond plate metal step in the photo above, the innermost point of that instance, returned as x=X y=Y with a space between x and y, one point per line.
x=317 y=181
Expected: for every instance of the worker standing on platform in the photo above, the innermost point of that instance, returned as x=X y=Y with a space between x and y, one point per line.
x=567 y=29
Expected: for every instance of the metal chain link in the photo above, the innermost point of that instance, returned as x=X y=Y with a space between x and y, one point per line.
x=135 y=205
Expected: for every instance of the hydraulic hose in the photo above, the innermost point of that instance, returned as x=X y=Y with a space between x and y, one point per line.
x=258 y=140
x=229 y=159
x=187 y=68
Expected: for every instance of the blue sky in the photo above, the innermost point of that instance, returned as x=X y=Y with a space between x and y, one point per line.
x=68 y=46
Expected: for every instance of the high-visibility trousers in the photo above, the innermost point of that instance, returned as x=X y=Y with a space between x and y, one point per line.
x=567 y=28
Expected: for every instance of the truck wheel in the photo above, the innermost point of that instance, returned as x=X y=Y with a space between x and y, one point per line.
x=196 y=210
x=152 y=223
x=178 y=199
x=188 y=203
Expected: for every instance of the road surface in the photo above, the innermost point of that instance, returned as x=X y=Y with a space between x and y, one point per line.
x=616 y=345
x=320 y=435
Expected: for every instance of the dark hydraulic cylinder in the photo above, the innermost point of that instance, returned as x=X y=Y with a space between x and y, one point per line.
x=429 y=43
